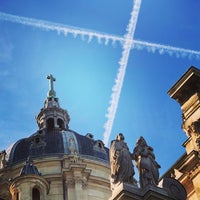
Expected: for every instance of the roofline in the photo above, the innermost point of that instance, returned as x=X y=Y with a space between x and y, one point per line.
x=189 y=73
x=173 y=166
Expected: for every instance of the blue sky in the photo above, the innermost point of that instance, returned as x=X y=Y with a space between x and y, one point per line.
x=86 y=70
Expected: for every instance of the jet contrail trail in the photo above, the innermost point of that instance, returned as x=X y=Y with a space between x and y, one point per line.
x=127 y=42
x=60 y=28
x=116 y=90
x=162 y=49
x=77 y=31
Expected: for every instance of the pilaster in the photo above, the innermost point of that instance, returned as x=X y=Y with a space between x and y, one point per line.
x=76 y=174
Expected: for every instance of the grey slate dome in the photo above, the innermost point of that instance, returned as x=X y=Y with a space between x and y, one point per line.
x=54 y=138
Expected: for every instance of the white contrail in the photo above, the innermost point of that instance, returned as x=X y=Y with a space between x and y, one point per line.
x=127 y=42
x=116 y=90
x=90 y=34
x=60 y=28
x=165 y=49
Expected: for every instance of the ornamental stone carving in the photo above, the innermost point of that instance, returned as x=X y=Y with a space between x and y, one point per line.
x=78 y=180
x=194 y=132
x=71 y=182
x=198 y=143
x=174 y=187
x=84 y=183
x=194 y=128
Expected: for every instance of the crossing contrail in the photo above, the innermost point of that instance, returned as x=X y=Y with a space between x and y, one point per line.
x=116 y=90
x=101 y=37
x=127 y=41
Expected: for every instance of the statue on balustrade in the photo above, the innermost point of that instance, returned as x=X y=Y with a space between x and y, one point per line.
x=146 y=164
x=122 y=169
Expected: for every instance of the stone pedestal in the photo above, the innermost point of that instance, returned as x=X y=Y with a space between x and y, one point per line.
x=169 y=190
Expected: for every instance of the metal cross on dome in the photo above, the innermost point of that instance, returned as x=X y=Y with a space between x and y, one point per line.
x=51 y=93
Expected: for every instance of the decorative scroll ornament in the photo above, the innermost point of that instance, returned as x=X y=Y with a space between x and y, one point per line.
x=77 y=180
x=194 y=128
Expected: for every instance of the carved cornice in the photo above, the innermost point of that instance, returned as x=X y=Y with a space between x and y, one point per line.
x=189 y=162
x=51 y=111
x=186 y=86
x=100 y=181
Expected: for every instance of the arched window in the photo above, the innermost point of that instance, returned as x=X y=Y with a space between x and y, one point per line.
x=50 y=124
x=60 y=123
x=100 y=145
x=35 y=194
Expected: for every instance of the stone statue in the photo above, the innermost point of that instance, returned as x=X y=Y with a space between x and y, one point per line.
x=122 y=169
x=146 y=164
x=72 y=146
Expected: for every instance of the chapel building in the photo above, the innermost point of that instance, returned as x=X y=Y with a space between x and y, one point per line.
x=55 y=163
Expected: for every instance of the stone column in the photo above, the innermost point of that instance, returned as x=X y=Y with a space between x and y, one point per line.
x=70 y=188
x=78 y=186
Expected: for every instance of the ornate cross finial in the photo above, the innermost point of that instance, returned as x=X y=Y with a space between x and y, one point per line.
x=51 y=92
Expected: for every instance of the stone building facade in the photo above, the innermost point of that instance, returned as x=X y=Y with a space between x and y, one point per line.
x=186 y=91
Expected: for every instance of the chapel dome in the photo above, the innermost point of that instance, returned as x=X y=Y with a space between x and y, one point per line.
x=57 y=143
x=54 y=138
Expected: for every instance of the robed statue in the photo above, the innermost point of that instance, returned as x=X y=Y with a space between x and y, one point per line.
x=122 y=169
x=146 y=164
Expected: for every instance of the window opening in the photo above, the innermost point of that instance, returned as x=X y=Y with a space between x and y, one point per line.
x=35 y=194
x=50 y=124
